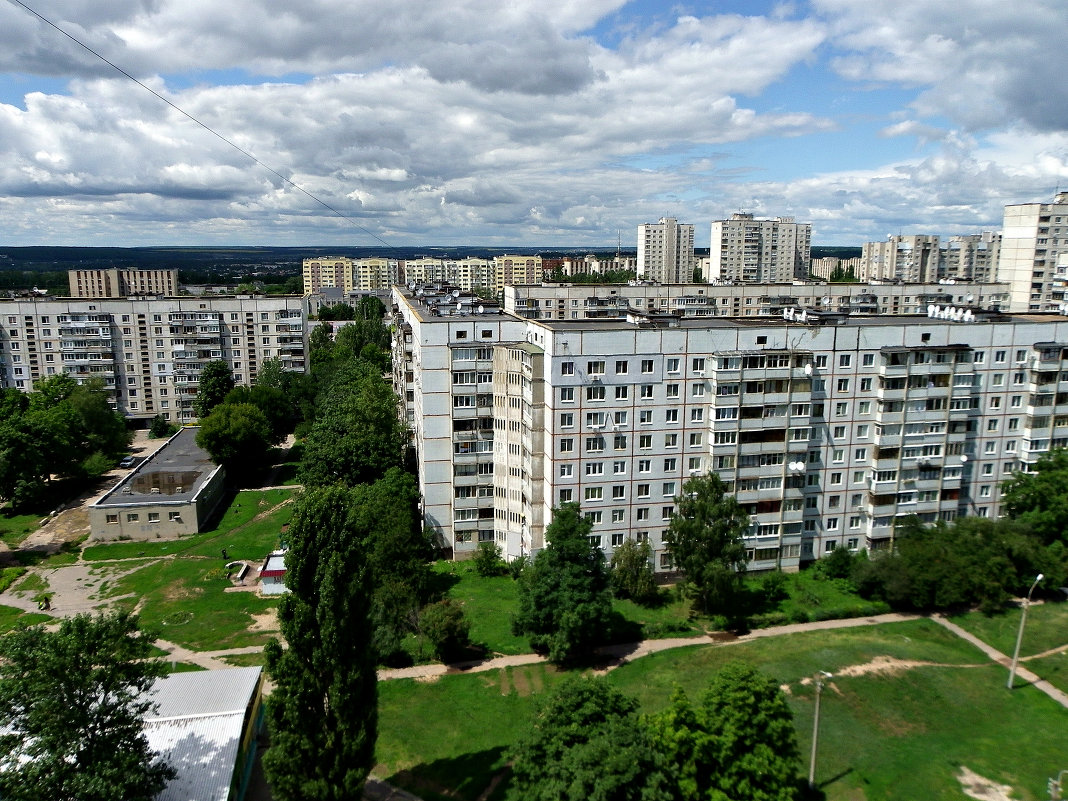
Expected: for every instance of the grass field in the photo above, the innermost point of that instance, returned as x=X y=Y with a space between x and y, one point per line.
x=1046 y=628
x=10 y=617
x=893 y=736
x=15 y=528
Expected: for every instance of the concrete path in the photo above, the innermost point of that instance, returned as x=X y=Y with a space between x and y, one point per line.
x=1041 y=684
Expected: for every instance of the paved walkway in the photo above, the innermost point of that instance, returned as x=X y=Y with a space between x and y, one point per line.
x=1038 y=683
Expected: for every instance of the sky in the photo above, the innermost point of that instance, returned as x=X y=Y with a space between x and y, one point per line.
x=541 y=123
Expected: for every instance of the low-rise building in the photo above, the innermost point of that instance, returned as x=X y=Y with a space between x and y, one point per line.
x=171 y=494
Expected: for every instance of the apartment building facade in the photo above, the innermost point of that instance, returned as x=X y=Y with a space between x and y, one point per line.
x=665 y=252
x=148 y=351
x=826 y=433
x=913 y=259
x=1034 y=240
x=328 y=271
x=583 y=302
x=746 y=249
x=119 y=283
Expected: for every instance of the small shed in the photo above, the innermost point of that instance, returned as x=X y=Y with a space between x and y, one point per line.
x=273 y=574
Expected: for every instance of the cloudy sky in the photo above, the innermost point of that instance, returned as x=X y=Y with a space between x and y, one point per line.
x=523 y=122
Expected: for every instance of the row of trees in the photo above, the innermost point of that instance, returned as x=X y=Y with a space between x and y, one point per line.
x=588 y=741
x=61 y=429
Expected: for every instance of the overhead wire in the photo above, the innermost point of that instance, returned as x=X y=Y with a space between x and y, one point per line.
x=203 y=125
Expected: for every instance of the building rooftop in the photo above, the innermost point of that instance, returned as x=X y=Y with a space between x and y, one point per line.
x=198 y=728
x=176 y=472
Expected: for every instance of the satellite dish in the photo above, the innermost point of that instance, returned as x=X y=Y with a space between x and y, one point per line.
x=481 y=308
x=826 y=300
x=456 y=293
x=964 y=458
x=459 y=307
x=969 y=298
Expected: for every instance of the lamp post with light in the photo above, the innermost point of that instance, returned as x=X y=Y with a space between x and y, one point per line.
x=1019 y=634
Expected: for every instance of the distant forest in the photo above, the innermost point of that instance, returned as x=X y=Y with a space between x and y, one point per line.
x=46 y=267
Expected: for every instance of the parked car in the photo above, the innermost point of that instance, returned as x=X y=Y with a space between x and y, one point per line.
x=127 y=461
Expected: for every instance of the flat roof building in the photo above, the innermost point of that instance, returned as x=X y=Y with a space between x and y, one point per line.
x=171 y=494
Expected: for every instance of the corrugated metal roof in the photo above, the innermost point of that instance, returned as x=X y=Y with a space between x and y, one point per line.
x=203 y=750
x=204 y=692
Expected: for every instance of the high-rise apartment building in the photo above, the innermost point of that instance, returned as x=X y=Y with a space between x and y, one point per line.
x=329 y=271
x=121 y=283
x=374 y=274
x=972 y=257
x=515 y=269
x=750 y=250
x=912 y=259
x=1033 y=236
x=148 y=351
x=827 y=433
x=665 y=252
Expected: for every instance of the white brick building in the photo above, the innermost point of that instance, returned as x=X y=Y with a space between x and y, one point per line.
x=665 y=252
x=756 y=251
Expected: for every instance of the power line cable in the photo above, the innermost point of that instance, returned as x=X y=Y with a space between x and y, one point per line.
x=203 y=125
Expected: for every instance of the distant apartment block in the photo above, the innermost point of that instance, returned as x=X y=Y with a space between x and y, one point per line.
x=824 y=268
x=1034 y=240
x=515 y=269
x=148 y=351
x=375 y=274
x=562 y=301
x=121 y=283
x=466 y=274
x=745 y=249
x=972 y=257
x=329 y=271
x=665 y=252
x=910 y=259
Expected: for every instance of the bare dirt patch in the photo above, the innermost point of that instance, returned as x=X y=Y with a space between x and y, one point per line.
x=267 y=621
x=976 y=786
x=503 y=680
x=521 y=681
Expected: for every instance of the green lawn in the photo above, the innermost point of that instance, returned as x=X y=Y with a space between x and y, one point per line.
x=236 y=530
x=1046 y=628
x=10 y=617
x=14 y=528
x=183 y=600
x=893 y=736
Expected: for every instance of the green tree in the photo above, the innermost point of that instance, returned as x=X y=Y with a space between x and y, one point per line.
x=1039 y=499
x=738 y=743
x=237 y=436
x=632 y=572
x=161 y=428
x=323 y=712
x=488 y=560
x=587 y=742
x=216 y=381
x=446 y=628
x=564 y=604
x=705 y=539
x=72 y=703
x=274 y=405
x=357 y=435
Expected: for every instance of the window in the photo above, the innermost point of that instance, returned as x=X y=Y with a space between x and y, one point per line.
x=621 y=367
x=672 y=390
x=567 y=470
x=113 y=519
x=646 y=391
x=865 y=385
x=643 y=512
x=832 y=524
x=153 y=517
x=673 y=365
x=836 y=478
x=699 y=365
x=595 y=368
x=132 y=517
x=567 y=445
x=821 y=361
x=864 y=407
x=868 y=359
x=174 y=516
x=617 y=517
x=645 y=441
x=567 y=395
x=669 y=489
x=843 y=385
x=617 y=539
x=666 y=512
x=595 y=393
x=839 y=432
x=670 y=465
x=619 y=468
x=697 y=415
x=860 y=455
x=696 y=440
x=841 y=409
x=671 y=440
x=645 y=465
x=844 y=360
x=698 y=390
x=622 y=392
x=567 y=368
x=619 y=492
x=594 y=468
x=566 y=418
x=671 y=416
x=647 y=366
x=838 y=455
x=593 y=493
x=645 y=416
x=594 y=444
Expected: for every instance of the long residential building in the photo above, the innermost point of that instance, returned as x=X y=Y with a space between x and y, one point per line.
x=148 y=351
x=121 y=282
x=561 y=301
x=826 y=432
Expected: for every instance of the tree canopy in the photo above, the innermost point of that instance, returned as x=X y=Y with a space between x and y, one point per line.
x=564 y=603
x=73 y=700
x=62 y=428
x=739 y=742
x=323 y=712
x=1039 y=499
x=705 y=539
x=216 y=381
x=238 y=436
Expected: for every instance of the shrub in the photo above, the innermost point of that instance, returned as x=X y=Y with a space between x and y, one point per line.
x=773 y=588
x=488 y=561
x=446 y=628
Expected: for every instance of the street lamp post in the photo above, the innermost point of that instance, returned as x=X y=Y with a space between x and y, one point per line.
x=820 y=676
x=1019 y=634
